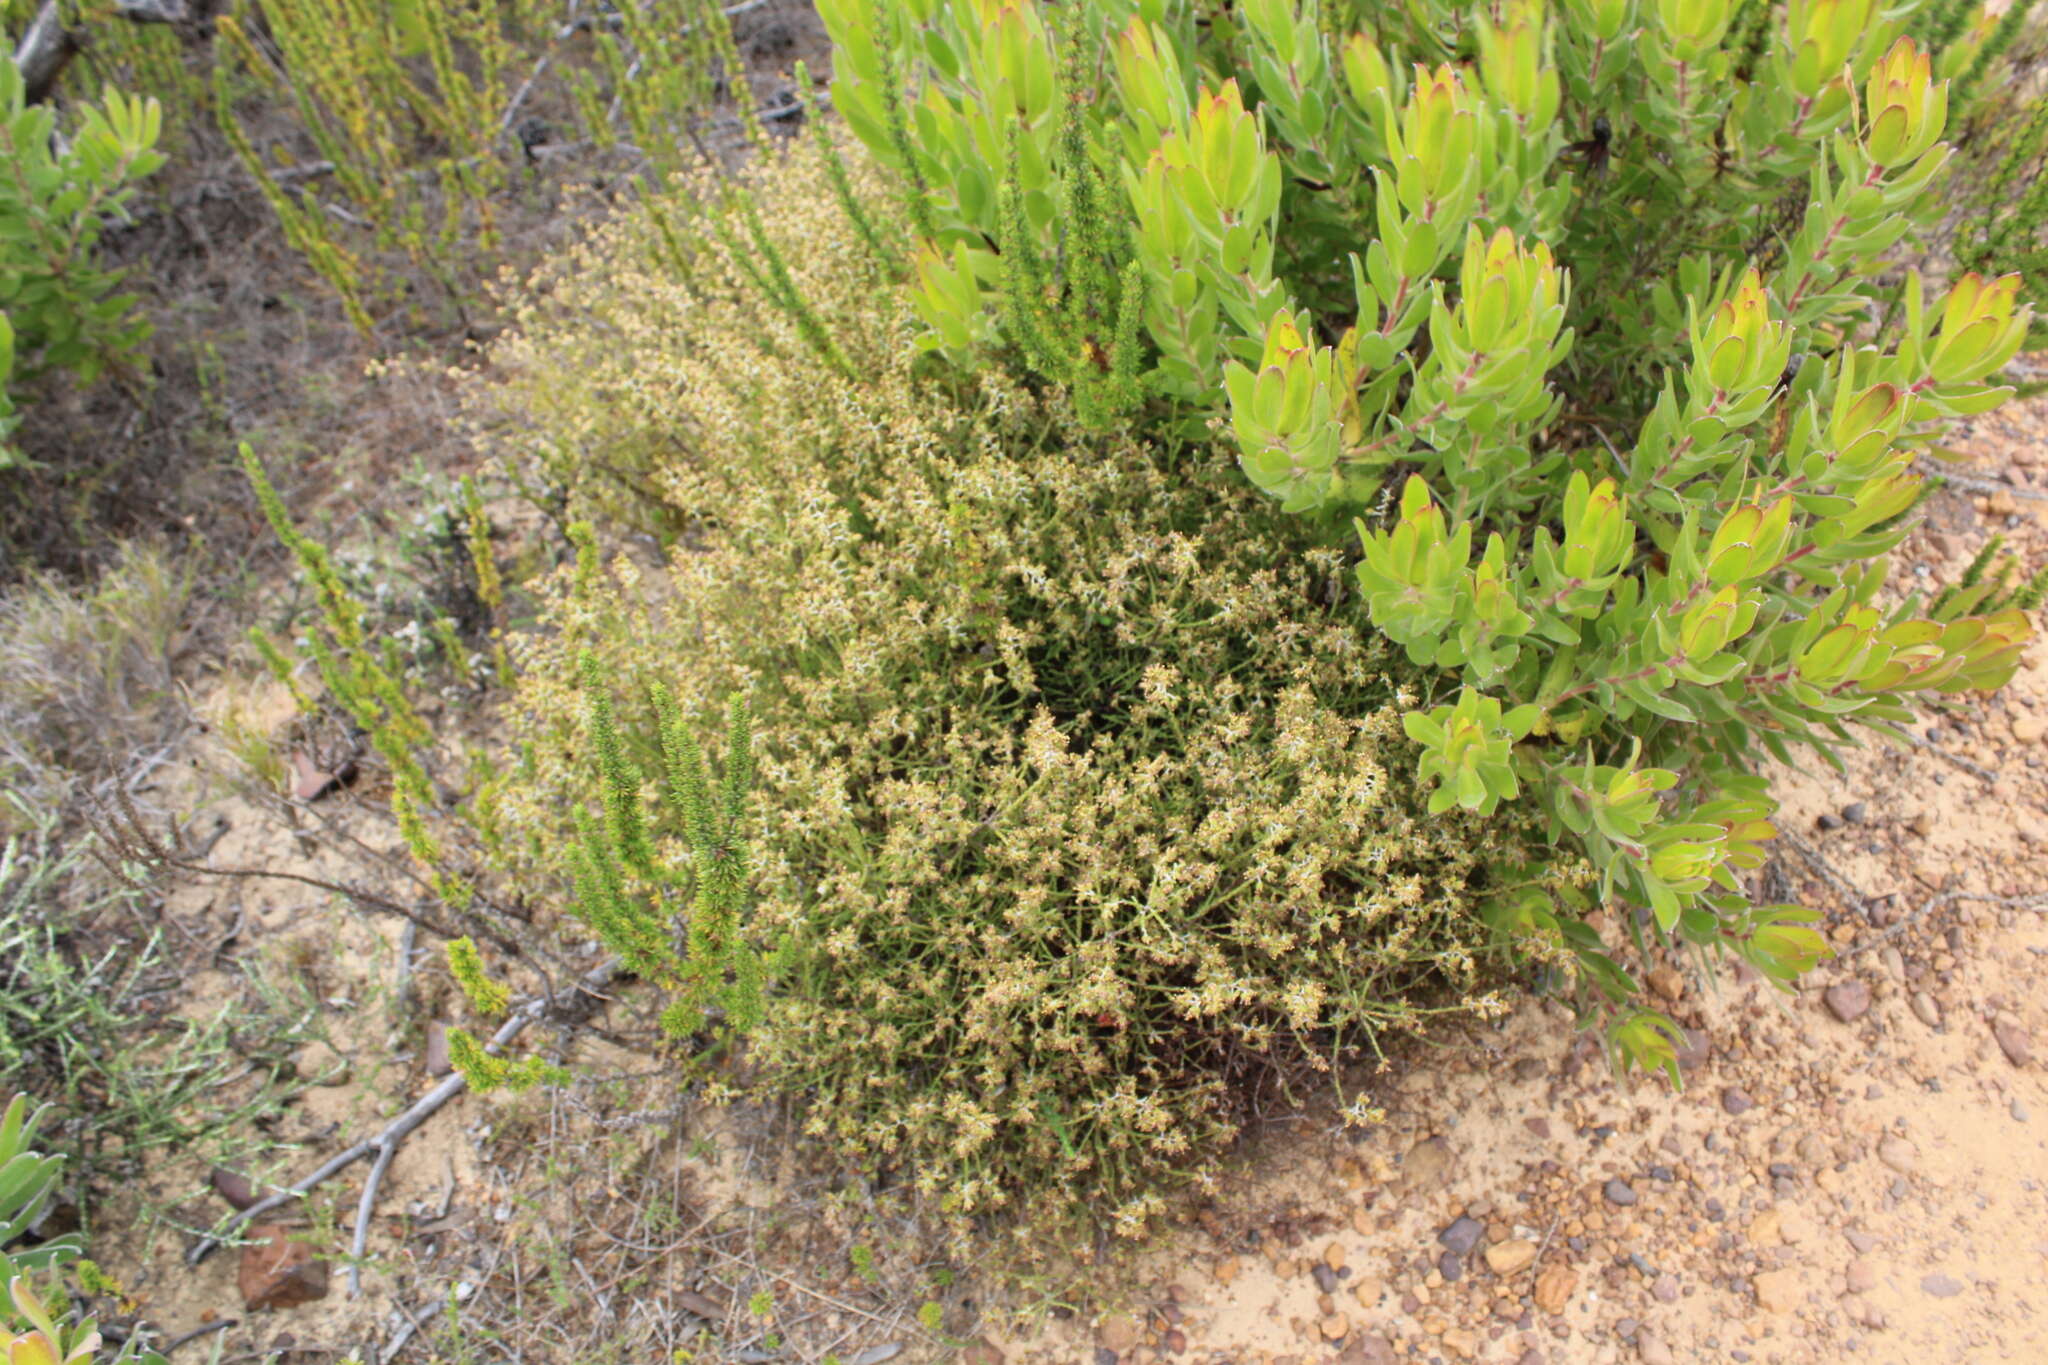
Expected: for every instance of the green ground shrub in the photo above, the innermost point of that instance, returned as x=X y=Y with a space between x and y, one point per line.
x=1574 y=323
x=58 y=308
x=36 y=1326
x=1077 y=809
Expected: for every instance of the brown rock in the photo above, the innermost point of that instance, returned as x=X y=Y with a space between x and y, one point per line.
x=1778 y=1291
x=1861 y=1276
x=1335 y=1327
x=1226 y=1270
x=276 y=1272
x=1554 y=1288
x=233 y=1187
x=1175 y=1341
x=1427 y=1164
x=2014 y=1041
x=2029 y=729
x=1925 y=1008
x=1461 y=1342
x=1118 y=1332
x=1333 y=1255
x=1897 y=1153
x=1667 y=983
x=1366 y=1348
x=1515 y=1254
x=1847 y=1000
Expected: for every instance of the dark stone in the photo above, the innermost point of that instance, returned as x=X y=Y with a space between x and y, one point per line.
x=1736 y=1100
x=232 y=1186
x=1619 y=1192
x=1462 y=1235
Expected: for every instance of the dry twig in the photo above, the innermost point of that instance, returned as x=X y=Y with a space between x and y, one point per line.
x=385 y=1144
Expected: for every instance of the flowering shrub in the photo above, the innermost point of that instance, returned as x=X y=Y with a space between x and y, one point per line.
x=1078 y=807
x=1578 y=316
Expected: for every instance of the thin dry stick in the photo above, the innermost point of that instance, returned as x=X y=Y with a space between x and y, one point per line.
x=1975 y=485
x=204 y=1329
x=385 y=1144
x=1843 y=886
x=1968 y=766
x=1942 y=899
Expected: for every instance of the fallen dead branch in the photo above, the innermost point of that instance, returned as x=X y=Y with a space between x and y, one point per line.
x=385 y=1144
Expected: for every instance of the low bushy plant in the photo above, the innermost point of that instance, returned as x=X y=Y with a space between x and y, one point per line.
x=1573 y=321
x=35 y=1325
x=1078 y=809
x=86 y=674
x=58 y=308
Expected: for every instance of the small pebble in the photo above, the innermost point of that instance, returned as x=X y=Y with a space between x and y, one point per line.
x=1462 y=1235
x=1941 y=1286
x=1897 y=1153
x=1847 y=1000
x=1856 y=812
x=2015 y=1042
x=1619 y=1192
x=1736 y=1100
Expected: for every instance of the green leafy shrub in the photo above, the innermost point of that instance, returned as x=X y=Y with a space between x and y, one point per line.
x=31 y=1331
x=1580 y=315
x=1076 y=788
x=60 y=311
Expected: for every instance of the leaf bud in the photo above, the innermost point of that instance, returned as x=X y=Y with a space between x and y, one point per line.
x=1905 y=106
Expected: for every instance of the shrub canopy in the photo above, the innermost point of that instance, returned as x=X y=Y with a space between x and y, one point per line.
x=1079 y=798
